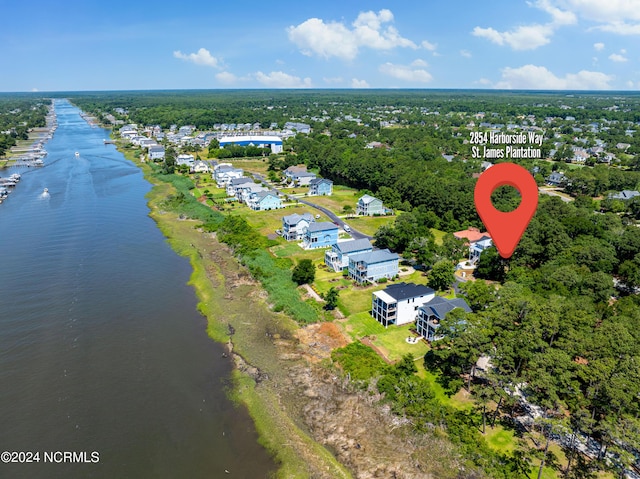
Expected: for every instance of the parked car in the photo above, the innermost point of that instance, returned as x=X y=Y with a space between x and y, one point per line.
x=317 y=217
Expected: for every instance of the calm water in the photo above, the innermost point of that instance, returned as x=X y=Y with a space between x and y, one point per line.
x=101 y=347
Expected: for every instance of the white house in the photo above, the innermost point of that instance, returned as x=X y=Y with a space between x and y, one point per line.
x=156 y=152
x=185 y=160
x=399 y=303
x=295 y=226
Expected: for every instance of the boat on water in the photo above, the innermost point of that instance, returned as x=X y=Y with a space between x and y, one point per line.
x=77 y=154
x=45 y=191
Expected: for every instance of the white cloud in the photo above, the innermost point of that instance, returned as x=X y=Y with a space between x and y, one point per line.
x=530 y=37
x=559 y=17
x=418 y=63
x=332 y=79
x=406 y=73
x=282 y=80
x=34 y=89
x=598 y=46
x=335 y=39
x=539 y=78
x=604 y=11
x=202 y=57
x=616 y=16
x=527 y=37
x=465 y=53
x=355 y=83
x=429 y=46
x=226 y=77
x=615 y=57
x=484 y=81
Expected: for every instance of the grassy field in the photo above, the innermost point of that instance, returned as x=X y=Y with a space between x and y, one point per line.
x=368 y=224
x=342 y=196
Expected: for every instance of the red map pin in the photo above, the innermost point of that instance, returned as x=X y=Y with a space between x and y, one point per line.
x=506 y=229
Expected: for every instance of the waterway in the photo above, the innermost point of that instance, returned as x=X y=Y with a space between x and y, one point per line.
x=101 y=346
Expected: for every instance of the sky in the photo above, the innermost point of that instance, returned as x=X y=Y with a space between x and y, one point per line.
x=141 y=45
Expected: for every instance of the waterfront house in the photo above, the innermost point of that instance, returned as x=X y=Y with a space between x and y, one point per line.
x=373 y=266
x=235 y=183
x=320 y=235
x=433 y=312
x=399 y=303
x=246 y=190
x=320 y=187
x=264 y=200
x=369 y=206
x=156 y=153
x=223 y=174
x=338 y=257
x=200 y=167
x=185 y=160
x=295 y=226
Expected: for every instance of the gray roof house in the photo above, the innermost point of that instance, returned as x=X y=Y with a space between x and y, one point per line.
x=432 y=313
x=369 y=205
x=624 y=195
x=337 y=258
x=556 y=179
x=373 y=266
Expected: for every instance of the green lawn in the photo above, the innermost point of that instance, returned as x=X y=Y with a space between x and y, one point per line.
x=342 y=196
x=368 y=224
x=439 y=236
x=500 y=439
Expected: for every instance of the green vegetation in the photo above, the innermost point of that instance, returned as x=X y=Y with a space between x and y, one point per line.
x=304 y=272
x=553 y=322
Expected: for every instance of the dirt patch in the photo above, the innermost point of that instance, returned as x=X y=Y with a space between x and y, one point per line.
x=316 y=341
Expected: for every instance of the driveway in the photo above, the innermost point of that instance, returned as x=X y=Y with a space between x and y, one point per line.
x=332 y=216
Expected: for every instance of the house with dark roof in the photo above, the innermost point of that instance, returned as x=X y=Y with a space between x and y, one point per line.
x=320 y=187
x=373 y=266
x=399 y=303
x=556 y=179
x=295 y=226
x=369 y=206
x=338 y=257
x=433 y=312
x=320 y=235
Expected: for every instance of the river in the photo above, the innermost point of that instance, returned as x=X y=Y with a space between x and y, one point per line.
x=101 y=346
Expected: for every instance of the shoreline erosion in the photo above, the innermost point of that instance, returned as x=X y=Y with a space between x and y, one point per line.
x=219 y=282
x=314 y=423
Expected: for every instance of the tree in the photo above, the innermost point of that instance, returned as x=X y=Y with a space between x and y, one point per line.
x=347 y=210
x=331 y=299
x=304 y=272
x=441 y=275
x=490 y=265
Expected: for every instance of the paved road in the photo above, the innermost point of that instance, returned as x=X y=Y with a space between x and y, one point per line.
x=555 y=193
x=332 y=216
x=355 y=233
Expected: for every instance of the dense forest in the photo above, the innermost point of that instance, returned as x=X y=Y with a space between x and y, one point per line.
x=19 y=113
x=560 y=320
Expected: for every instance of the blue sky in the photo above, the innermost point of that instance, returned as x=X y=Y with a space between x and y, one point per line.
x=134 y=45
